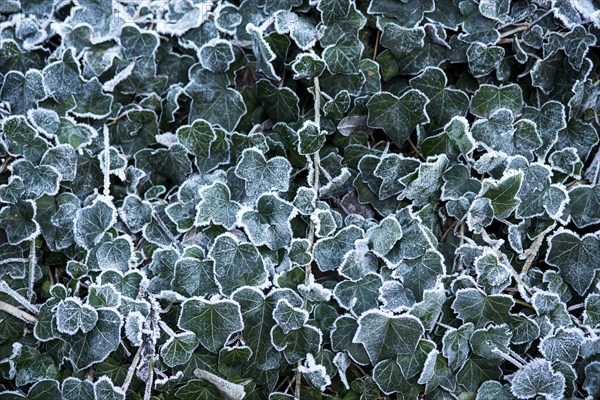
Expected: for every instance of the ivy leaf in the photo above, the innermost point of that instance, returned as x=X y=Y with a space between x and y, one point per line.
x=236 y=264
x=281 y=103
x=22 y=91
x=263 y=52
x=397 y=116
x=503 y=193
x=288 y=317
x=194 y=277
x=307 y=66
x=302 y=29
x=591 y=315
x=296 y=344
x=21 y=139
x=456 y=139
x=137 y=43
x=455 y=345
x=216 y=55
x=400 y=40
x=261 y=176
x=270 y=224
x=489 y=98
x=574 y=256
x=329 y=252
x=77 y=389
x=493 y=390
x=537 y=378
x=484 y=59
x=220 y=106
x=310 y=138
x=436 y=373
x=38 y=179
x=562 y=346
x=359 y=296
x=549 y=120
x=92 y=222
x=484 y=341
x=178 y=349
x=343 y=56
x=18 y=220
x=105 y=389
x=72 y=316
x=63 y=159
x=385 y=336
x=197 y=137
x=384 y=236
x=216 y=206
x=408 y=13
x=213 y=321
x=473 y=306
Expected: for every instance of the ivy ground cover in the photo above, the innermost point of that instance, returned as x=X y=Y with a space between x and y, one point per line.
x=279 y=199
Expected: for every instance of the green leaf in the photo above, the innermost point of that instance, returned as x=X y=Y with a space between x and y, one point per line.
x=437 y=373
x=471 y=305
x=385 y=336
x=138 y=43
x=484 y=341
x=220 y=106
x=72 y=316
x=574 y=256
x=178 y=349
x=493 y=390
x=297 y=343
x=490 y=98
x=562 y=346
x=384 y=236
x=105 y=389
x=591 y=315
x=302 y=29
x=20 y=138
x=307 y=66
x=310 y=138
x=63 y=159
x=194 y=277
x=280 y=103
x=477 y=370
x=196 y=389
x=408 y=13
x=397 y=116
x=502 y=193
x=270 y=224
x=484 y=59
x=455 y=345
x=171 y=163
x=22 y=91
x=343 y=56
x=455 y=140
x=261 y=176
x=537 y=378
x=388 y=377
x=236 y=264
x=216 y=55
x=329 y=252
x=92 y=222
x=262 y=51
x=359 y=296
x=45 y=389
x=197 y=137
x=400 y=40
x=549 y=120
x=216 y=206
x=77 y=389
x=38 y=179
x=213 y=321
x=18 y=221
x=288 y=317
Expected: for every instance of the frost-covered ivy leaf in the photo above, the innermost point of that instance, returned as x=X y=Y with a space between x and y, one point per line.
x=194 y=277
x=477 y=370
x=591 y=315
x=471 y=305
x=137 y=43
x=237 y=264
x=101 y=296
x=455 y=345
x=212 y=321
x=216 y=104
x=476 y=26
x=104 y=389
x=115 y=254
x=197 y=137
x=390 y=169
x=296 y=344
x=549 y=120
x=562 y=346
x=395 y=297
x=280 y=103
x=92 y=222
x=341 y=335
x=484 y=341
x=421 y=273
x=412 y=364
x=480 y=214
x=270 y=224
x=359 y=296
x=92 y=102
x=385 y=336
x=216 y=55
x=262 y=176
x=77 y=389
x=489 y=98
x=425 y=181
x=537 y=378
x=135 y=212
x=12 y=191
x=495 y=9
x=288 y=317
x=397 y=116
x=484 y=59
x=574 y=256
x=178 y=349
x=301 y=28
x=329 y=252
x=72 y=316
x=429 y=309
x=44 y=389
x=20 y=138
x=86 y=349
x=216 y=206
x=307 y=66
x=493 y=390
x=502 y=193
x=18 y=221
x=262 y=51
x=400 y=40
x=384 y=236
x=44 y=120
x=455 y=140
x=437 y=373
x=171 y=163
x=22 y=91
x=538 y=195
x=62 y=78
x=388 y=377
x=580 y=135
x=492 y=274
x=38 y=179
x=408 y=13
x=75 y=134
x=64 y=160
x=343 y=56
x=310 y=138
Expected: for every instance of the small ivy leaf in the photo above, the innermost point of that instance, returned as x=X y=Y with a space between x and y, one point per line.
x=237 y=264
x=44 y=389
x=115 y=254
x=134 y=325
x=567 y=162
x=194 y=277
x=580 y=135
x=503 y=193
x=538 y=378
x=263 y=52
x=574 y=256
x=397 y=116
x=484 y=59
x=270 y=224
x=359 y=296
x=197 y=137
x=135 y=212
x=490 y=98
x=495 y=9
x=386 y=336
x=280 y=103
x=408 y=13
x=63 y=159
x=18 y=221
x=455 y=140
x=72 y=316
x=310 y=138
x=400 y=40
x=178 y=349
x=216 y=55
x=422 y=184
x=437 y=373
x=480 y=214
x=75 y=134
x=562 y=346
x=77 y=389
x=492 y=274
x=471 y=305
x=358 y=262
x=329 y=252
x=484 y=341
x=216 y=104
x=577 y=44
x=212 y=321
x=384 y=236
x=412 y=364
x=390 y=169
x=299 y=252
x=92 y=222
x=22 y=91
x=105 y=389
x=296 y=344
x=92 y=102
x=288 y=317
x=337 y=107
x=592 y=371
x=591 y=315
x=101 y=296
x=315 y=374
x=421 y=273
x=216 y=206
x=137 y=43
x=343 y=56
x=429 y=309
x=62 y=78
x=86 y=349
x=261 y=176
x=395 y=297
x=307 y=66
x=538 y=195
x=38 y=179
x=455 y=345
x=302 y=30
x=324 y=221
x=172 y=163
x=341 y=335
x=493 y=390
x=20 y=138
x=549 y=120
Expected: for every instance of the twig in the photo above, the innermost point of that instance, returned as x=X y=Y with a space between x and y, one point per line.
x=106 y=162
x=32 y=263
x=20 y=299
x=532 y=253
x=150 y=381
x=376 y=45
x=131 y=370
x=15 y=312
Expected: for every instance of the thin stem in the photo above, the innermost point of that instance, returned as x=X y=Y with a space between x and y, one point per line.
x=20 y=299
x=15 y=312
x=131 y=371
x=376 y=45
x=523 y=303
x=106 y=162
x=532 y=252
x=166 y=230
x=507 y=357
x=513 y=31
x=32 y=263
x=150 y=381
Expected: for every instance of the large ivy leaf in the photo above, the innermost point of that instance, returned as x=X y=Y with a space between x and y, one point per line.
x=270 y=224
x=261 y=175
x=537 y=378
x=92 y=222
x=471 y=305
